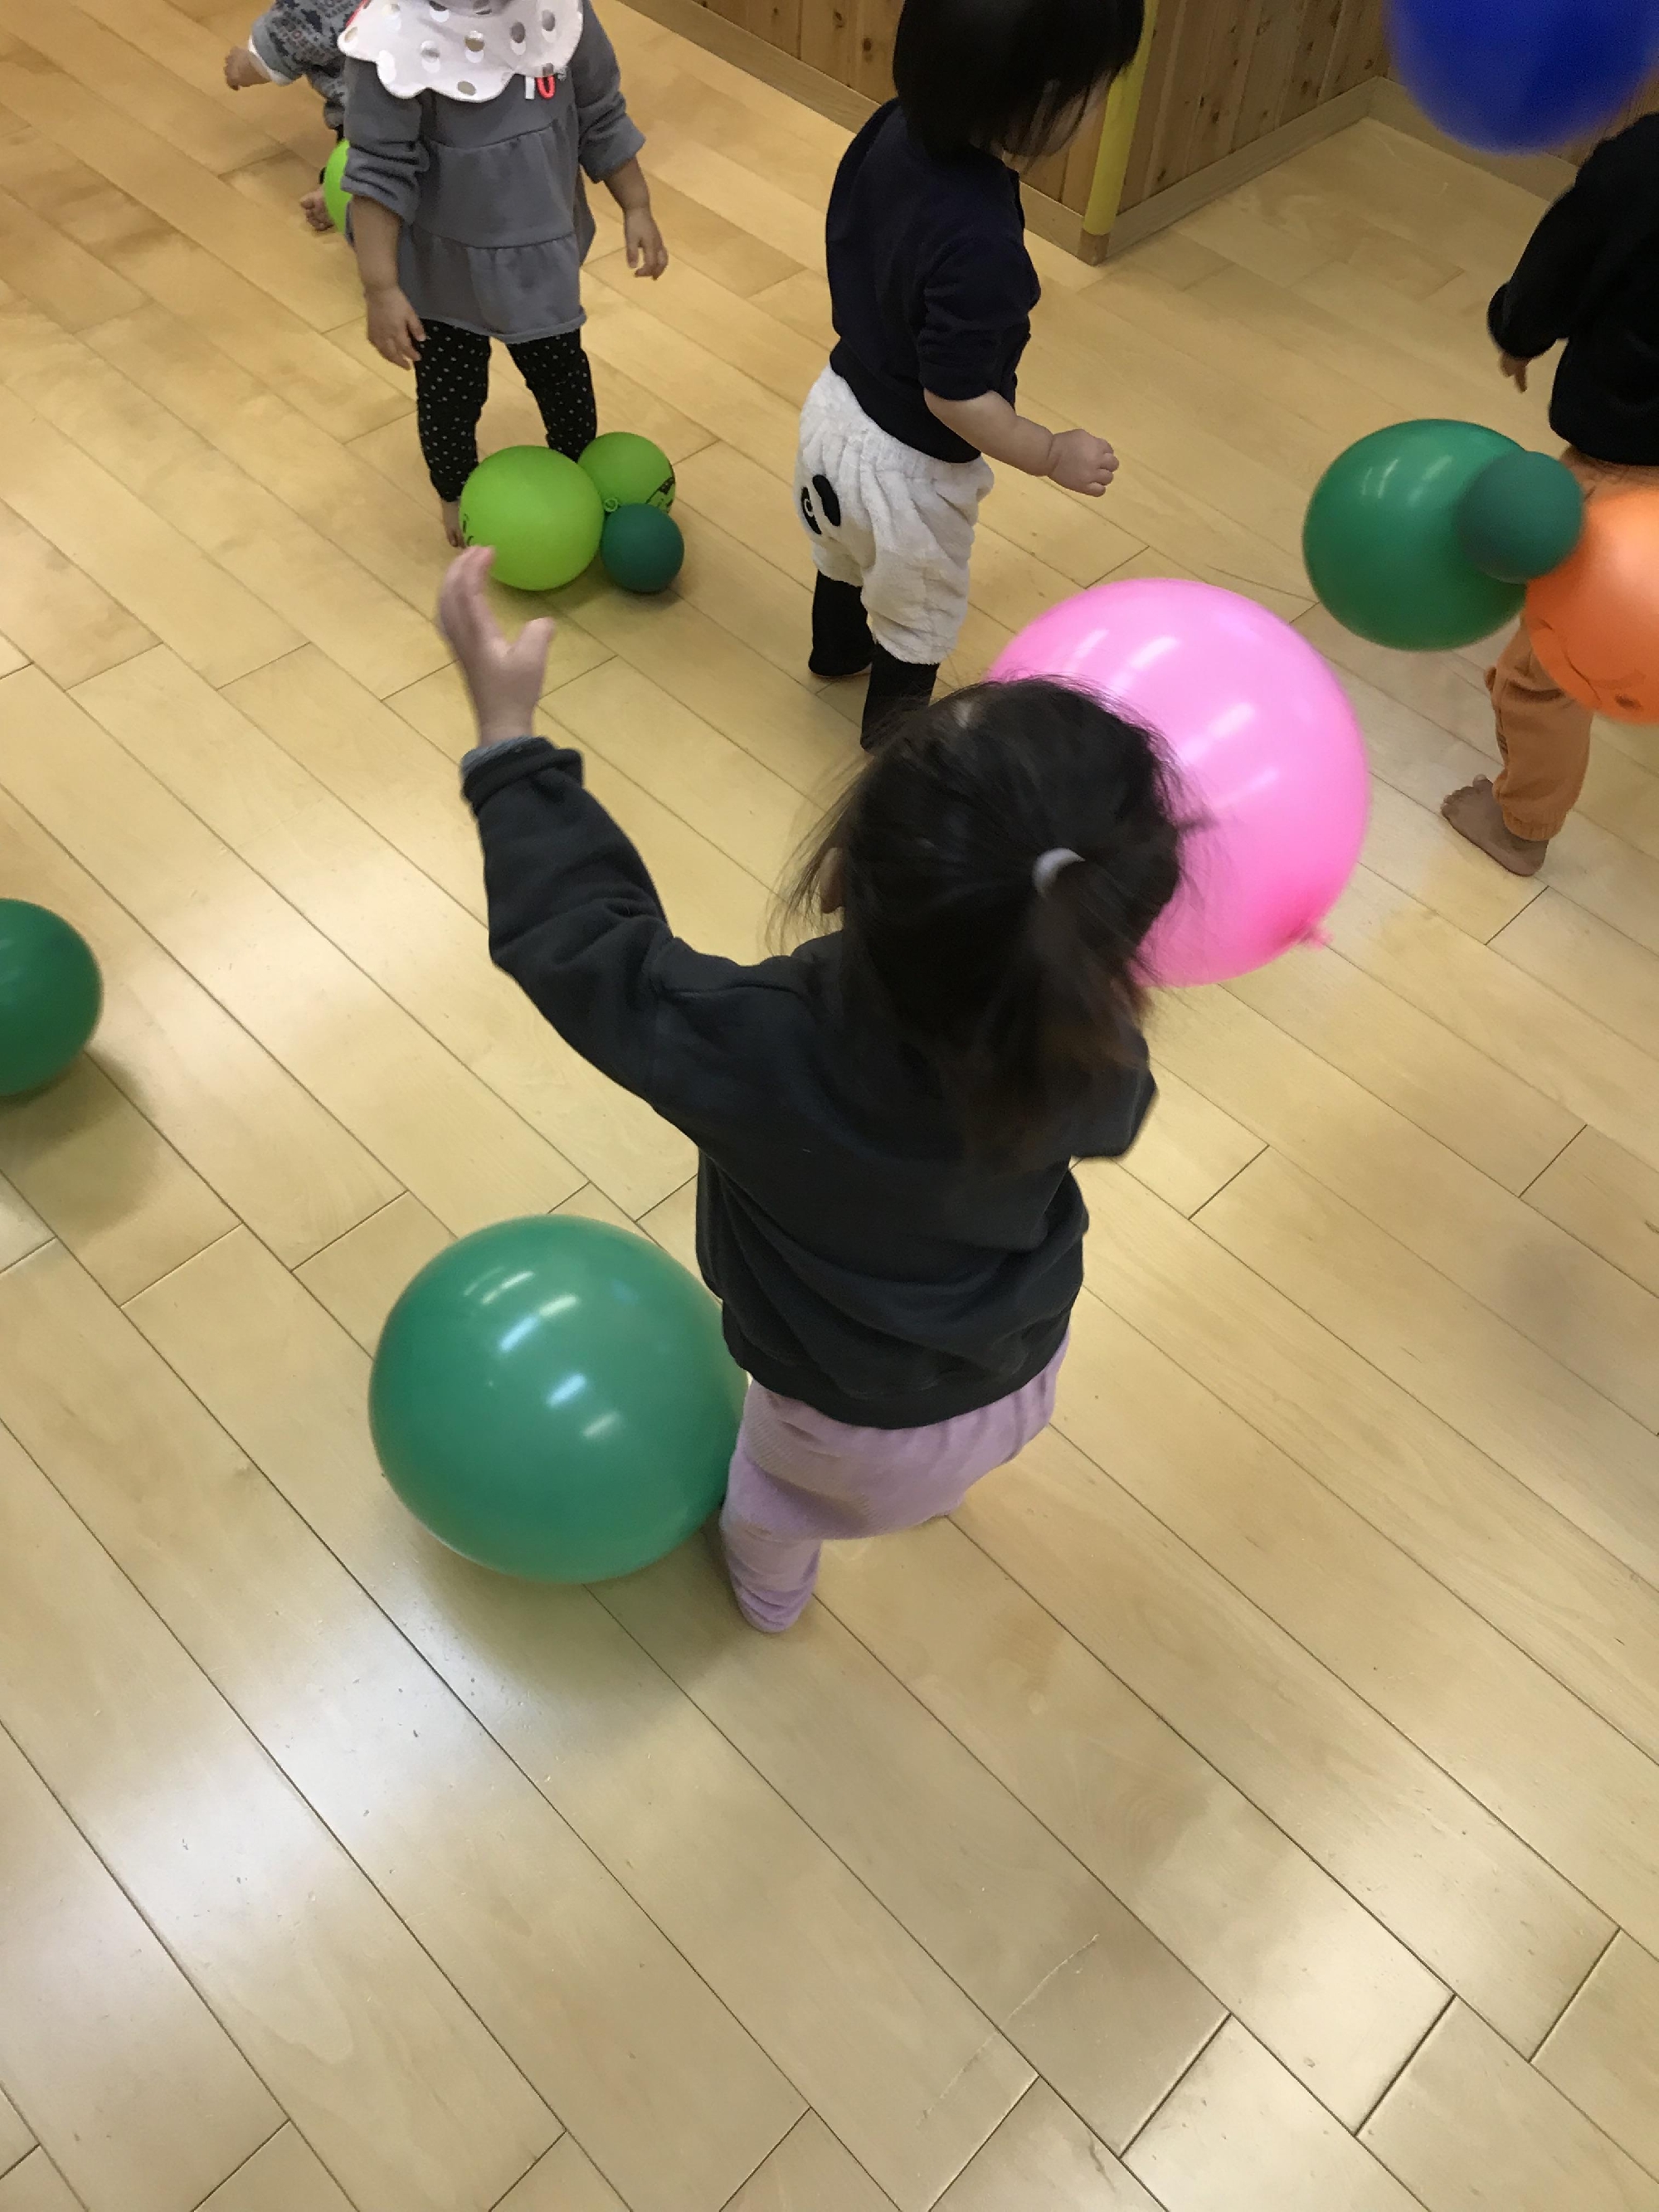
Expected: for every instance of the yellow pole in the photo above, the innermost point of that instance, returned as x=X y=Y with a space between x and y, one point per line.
x=1117 y=135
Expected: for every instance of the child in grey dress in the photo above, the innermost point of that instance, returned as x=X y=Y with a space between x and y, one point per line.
x=471 y=126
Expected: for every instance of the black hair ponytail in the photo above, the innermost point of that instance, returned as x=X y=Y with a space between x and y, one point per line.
x=1017 y=980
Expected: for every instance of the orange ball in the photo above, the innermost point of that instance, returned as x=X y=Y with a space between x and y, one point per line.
x=1595 y=620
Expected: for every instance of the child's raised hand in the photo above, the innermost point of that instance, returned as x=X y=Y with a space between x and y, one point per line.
x=1082 y=462
x=505 y=680
x=394 y=328
x=646 y=255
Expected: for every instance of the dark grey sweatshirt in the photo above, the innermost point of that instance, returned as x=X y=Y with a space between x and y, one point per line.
x=866 y=1265
x=489 y=192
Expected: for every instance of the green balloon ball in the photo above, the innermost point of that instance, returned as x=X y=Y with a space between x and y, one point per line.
x=641 y=548
x=1381 y=539
x=51 y=995
x=1522 y=517
x=552 y=1398
x=336 y=197
x=539 y=512
x=629 y=471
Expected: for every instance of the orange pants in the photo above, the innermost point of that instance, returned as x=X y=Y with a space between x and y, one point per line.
x=1543 y=735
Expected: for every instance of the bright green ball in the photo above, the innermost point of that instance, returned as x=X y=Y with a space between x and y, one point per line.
x=552 y=1398
x=51 y=995
x=336 y=197
x=1521 y=517
x=1381 y=539
x=539 y=512
x=641 y=548
x=629 y=471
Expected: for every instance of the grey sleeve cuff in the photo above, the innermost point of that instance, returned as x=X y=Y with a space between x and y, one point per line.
x=502 y=746
x=264 y=43
x=608 y=139
x=387 y=159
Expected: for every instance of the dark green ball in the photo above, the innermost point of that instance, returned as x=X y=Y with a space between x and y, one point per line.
x=641 y=548
x=1381 y=539
x=1521 y=517
x=51 y=995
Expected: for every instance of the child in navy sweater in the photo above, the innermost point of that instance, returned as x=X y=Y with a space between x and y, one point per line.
x=931 y=289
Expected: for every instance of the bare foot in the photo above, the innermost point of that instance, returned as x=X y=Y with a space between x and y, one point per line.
x=314 y=208
x=451 y=511
x=1474 y=813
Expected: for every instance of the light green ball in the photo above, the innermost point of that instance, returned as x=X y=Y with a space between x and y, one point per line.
x=629 y=471
x=336 y=197
x=540 y=513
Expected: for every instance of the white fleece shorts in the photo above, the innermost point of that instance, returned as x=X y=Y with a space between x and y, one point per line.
x=896 y=523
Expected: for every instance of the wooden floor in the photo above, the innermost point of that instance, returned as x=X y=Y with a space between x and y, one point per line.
x=1251 y=1804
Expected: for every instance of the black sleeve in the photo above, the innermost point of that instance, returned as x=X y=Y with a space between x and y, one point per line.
x=1115 y=1120
x=1542 y=301
x=974 y=295
x=575 y=921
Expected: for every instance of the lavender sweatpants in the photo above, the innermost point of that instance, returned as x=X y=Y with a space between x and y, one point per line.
x=797 y=1477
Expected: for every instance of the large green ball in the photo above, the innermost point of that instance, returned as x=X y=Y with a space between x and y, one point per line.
x=336 y=197
x=539 y=512
x=51 y=995
x=641 y=548
x=629 y=470
x=1381 y=539
x=552 y=1398
x=1522 y=517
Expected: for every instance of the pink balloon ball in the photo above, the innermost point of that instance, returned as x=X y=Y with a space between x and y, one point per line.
x=1268 y=758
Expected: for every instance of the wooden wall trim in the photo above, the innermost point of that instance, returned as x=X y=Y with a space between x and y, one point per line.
x=1181 y=199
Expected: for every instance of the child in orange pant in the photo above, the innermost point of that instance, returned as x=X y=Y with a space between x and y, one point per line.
x=1590 y=274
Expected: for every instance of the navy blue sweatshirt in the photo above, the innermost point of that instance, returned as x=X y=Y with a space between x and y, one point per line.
x=867 y=1266
x=930 y=283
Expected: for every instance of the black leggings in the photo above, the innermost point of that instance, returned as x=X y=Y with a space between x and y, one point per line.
x=451 y=382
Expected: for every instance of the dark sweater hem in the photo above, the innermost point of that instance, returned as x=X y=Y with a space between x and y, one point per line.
x=906 y=416
x=916 y=1409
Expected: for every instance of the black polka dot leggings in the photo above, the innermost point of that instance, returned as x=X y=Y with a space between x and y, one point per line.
x=451 y=382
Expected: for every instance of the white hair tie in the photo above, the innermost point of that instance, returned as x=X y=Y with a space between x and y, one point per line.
x=1050 y=865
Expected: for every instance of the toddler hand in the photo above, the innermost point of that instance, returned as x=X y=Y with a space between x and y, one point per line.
x=646 y=255
x=1512 y=366
x=504 y=680
x=242 y=71
x=394 y=328
x=1082 y=462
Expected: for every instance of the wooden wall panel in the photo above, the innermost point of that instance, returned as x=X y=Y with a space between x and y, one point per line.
x=777 y=21
x=829 y=37
x=1215 y=127
x=1321 y=20
x=873 y=52
x=1224 y=73
x=1272 y=58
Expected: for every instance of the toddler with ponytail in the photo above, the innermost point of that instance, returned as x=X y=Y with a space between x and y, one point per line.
x=887 y=1114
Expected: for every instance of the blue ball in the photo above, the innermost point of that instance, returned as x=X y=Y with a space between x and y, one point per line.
x=1522 y=76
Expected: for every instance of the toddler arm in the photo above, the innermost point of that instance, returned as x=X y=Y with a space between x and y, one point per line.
x=575 y=918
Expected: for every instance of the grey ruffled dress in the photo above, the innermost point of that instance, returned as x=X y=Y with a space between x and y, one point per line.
x=490 y=194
